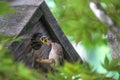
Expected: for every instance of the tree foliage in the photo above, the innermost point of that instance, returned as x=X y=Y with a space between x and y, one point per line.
x=10 y=70
x=83 y=72
x=112 y=8
x=77 y=20
x=83 y=26
x=5 y=8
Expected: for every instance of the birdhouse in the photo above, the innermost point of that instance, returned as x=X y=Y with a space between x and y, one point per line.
x=34 y=16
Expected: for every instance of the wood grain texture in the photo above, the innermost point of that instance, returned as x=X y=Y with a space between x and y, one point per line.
x=22 y=50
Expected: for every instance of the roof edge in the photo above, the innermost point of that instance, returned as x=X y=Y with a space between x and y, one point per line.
x=25 y=2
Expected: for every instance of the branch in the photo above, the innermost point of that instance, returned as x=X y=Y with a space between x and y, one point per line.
x=46 y=61
x=102 y=16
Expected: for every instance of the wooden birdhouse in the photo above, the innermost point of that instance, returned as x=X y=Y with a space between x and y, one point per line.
x=34 y=16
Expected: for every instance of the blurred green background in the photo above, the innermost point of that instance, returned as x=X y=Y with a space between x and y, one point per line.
x=87 y=34
x=83 y=28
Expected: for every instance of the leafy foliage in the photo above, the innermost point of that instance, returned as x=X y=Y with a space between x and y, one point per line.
x=84 y=27
x=77 y=72
x=112 y=65
x=78 y=21
x=112 y=8
x=10 y=70
x=5 y=8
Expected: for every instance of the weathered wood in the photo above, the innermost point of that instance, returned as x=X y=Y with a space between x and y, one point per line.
x=52 y=30
x=32 y=22
x=25 y=2
x=23 y=52
x=14 y=23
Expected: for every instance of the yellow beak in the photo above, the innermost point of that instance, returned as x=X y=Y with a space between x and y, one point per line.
x=44 y=40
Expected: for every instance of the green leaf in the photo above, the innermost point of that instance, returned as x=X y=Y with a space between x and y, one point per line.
x=5 y=8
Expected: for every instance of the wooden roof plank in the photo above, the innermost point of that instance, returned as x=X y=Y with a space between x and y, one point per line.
x=33 y=20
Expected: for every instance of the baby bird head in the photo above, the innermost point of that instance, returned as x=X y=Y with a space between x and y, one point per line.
x=45 y=40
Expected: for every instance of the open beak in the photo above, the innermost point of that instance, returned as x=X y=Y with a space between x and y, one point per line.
x=45 y=41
